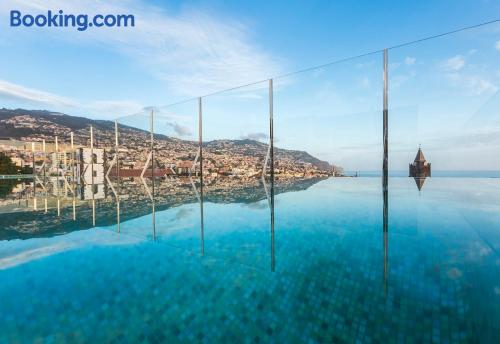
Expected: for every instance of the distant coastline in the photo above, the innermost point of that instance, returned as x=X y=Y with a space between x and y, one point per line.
x=437 y=173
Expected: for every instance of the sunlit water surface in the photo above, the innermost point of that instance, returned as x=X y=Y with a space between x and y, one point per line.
x=327 y=273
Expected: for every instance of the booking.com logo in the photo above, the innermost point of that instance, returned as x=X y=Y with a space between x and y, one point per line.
x=81 y=21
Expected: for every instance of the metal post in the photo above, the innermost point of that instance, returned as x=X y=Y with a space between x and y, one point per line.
x=385 y=177
x=57 y=163
x=44 y=167
x=73 y=174
x=200 y=147
x=151 y=127
x=117 y=151
x=271 y=143
x=44 y=161
x=72 y=163
x=33 y=167
x=153 y=173
x=152 y=149
x=385 y=163
x=92 y=174
x=57 y=170
x=117 y=177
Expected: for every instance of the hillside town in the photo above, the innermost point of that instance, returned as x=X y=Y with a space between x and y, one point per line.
x=240 y=159
x=67 y=165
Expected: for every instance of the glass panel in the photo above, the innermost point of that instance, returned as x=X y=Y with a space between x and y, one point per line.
x=136 y=186
x=178 y=181
x=236 y=206
x=328 y=162
x=444 y=99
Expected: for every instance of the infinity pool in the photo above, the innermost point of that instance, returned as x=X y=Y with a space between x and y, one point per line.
x=327 y=272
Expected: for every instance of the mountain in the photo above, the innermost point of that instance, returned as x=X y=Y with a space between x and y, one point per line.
x=34 y=125
x=248 y=147
x=73 y=123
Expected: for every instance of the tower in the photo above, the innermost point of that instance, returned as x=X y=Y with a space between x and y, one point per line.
x=420 y=168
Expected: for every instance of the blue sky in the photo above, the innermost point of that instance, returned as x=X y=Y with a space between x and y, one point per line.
x=182 y=49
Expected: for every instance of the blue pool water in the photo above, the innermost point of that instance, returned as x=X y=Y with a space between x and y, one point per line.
x=327 y=273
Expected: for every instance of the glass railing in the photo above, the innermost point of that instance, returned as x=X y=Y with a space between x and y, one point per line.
x=176 y=173
x=328 y=138
x=360 y=199
x=178 y=184
x=236 y=161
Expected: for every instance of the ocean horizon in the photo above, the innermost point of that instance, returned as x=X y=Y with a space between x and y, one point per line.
x=442 y=173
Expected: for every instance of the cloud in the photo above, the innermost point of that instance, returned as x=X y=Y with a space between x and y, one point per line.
x=365 y=82
x=260 y=205
x=254 y=136
x=179 y=129
x=455 y=63
x=472 y=84
x=475 y=79
x=195 y=53
x=115 y=108
x=478 y=85
x=50 y=101
x=16 y=92
x=183 y=213
x=398 y=80
x=497 y=45
x=410 y=60
x=482 y=137
x=361 y=65
x=18 y=252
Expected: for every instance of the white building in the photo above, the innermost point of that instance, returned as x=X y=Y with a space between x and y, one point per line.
x=91 y=169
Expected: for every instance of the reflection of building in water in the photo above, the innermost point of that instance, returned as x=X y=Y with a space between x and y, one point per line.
x=420 y=182
x=90 y=167
x=420 y=167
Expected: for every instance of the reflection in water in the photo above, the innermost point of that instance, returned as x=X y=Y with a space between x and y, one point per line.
x=82 y=186
x=385 y=219
x=22 y=219
x=114 y=163
x=316 y=260
x=386 y=238
x=420 y=182
x=199 y=196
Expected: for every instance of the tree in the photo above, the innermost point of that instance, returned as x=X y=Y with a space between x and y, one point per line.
x=8 y=167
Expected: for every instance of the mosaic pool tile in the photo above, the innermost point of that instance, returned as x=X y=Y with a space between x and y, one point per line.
x=438 y=281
